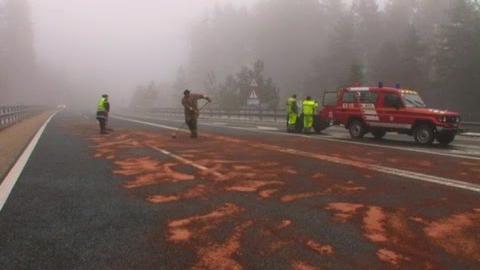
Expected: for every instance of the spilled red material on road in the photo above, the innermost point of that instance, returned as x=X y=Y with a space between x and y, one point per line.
x=374 y=221
x=391 y=257
x=298 y=265
x=403 y=236
x=179 y=229
x=284 y=224
x=452 y=234
x=320 y=249
x=344 y=211
x=220 y=256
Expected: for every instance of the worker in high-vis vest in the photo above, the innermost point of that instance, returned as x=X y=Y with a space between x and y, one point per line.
x=103 y=108
x=309 y=107
x=292 y=110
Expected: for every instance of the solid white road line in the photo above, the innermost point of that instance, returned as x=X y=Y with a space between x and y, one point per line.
x=267 y=128
x=143 y=122
x=11 y=179
x=186 y=161
x=377 y=168
x=345 y=141
x=362 y=165
x=325 y=138
x=471 y=134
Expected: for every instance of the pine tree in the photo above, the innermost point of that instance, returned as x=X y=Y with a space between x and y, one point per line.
x=357 y=75
x=412 y=65
x=457 y=58
x=368 y=29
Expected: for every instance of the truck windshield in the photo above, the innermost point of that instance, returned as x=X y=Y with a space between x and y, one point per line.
x=413 y=101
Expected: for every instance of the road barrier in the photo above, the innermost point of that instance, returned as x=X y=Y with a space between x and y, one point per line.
x=254 y=114
x=246 y=114
x=10 y=115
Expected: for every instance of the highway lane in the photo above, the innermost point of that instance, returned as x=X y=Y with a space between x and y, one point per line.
x=464 y=146
x=235 y=198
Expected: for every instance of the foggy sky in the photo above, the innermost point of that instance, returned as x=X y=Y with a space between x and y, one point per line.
x=116 y=44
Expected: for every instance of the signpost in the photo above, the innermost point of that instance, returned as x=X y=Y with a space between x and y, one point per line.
x=253 y=100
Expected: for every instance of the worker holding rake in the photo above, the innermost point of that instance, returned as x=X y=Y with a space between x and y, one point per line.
x=190 y=103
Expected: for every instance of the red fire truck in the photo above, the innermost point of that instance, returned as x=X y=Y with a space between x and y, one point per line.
x=379 y=110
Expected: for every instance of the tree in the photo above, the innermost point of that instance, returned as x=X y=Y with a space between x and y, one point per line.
x=368 y=30
x=457 y=57
x=236 y=89
x=286 y=35
x=357 y=75
x=332 y=70
x=17 y=51
x=412 y=64
x=145 y=97
x=399 y=17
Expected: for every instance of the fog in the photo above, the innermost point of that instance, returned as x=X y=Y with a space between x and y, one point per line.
x=144 y=52
x=109 y=46
x=113 y=45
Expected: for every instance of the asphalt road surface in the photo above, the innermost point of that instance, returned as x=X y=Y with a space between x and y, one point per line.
x=239 y=197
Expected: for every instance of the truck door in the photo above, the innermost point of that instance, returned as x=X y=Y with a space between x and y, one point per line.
x=390 y=111
x=348 y=106
x=329 y=102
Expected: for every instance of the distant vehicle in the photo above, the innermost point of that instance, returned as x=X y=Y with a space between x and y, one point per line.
x=379 y=110
x=62 y=106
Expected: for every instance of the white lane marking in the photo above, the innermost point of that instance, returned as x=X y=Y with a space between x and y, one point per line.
x=219 y=123
x=343 y=139
x=333 y=139
x=12 y=177
x=144 y=123
x=473 y=134
x=466 y=146
x=267 y=128
x=186 y=161
x=378 y=168
x=361 y=165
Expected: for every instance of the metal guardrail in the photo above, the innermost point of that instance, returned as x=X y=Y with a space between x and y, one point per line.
x=254 y=114
x=470 y=126
x=10 y=115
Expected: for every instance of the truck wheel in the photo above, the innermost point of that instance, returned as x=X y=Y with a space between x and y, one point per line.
x=445 y=138
x=424 y=134
x=357 y=129
x=379 y=133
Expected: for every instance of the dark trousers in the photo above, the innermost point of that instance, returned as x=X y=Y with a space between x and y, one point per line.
x=192 y=125
x=103 y=124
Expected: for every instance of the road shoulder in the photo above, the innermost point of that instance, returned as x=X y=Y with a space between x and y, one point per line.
x=14 y=139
